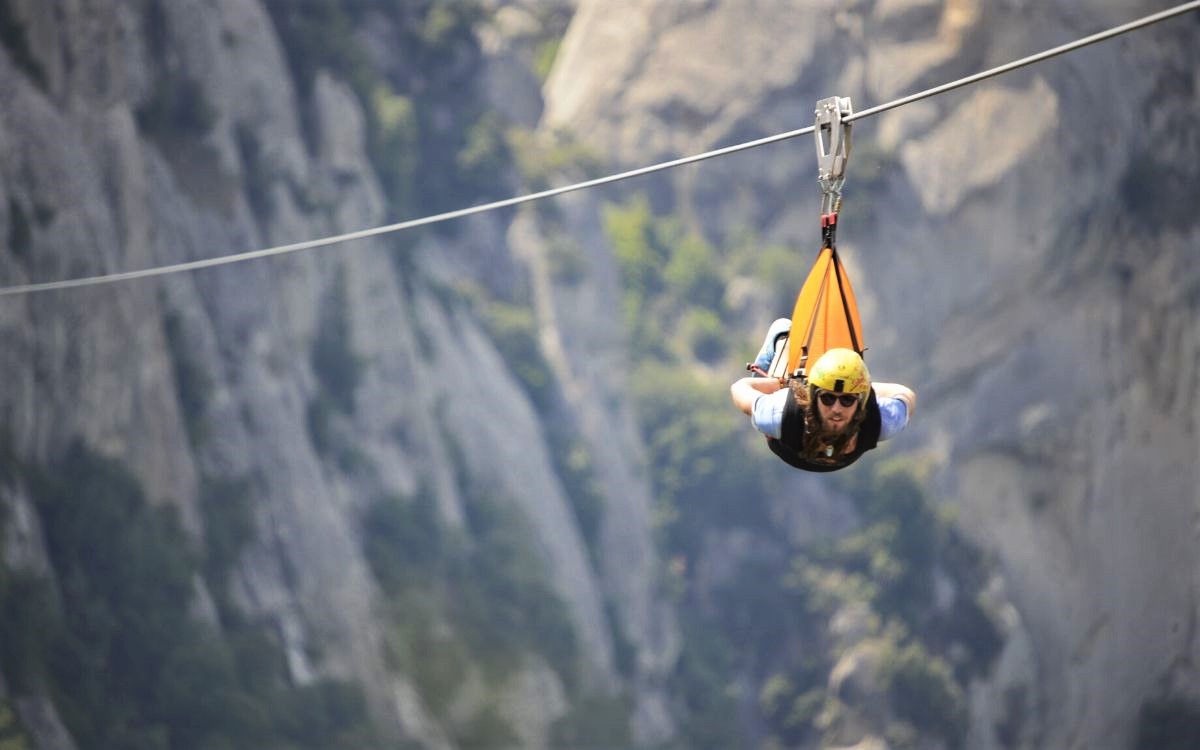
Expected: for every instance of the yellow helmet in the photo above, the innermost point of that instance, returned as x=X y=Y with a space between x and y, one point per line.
x=841 y=371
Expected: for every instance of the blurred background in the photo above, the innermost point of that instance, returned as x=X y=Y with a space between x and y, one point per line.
x=481 y=485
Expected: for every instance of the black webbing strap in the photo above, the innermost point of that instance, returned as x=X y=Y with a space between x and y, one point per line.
x=829 y=239
x=837 y=269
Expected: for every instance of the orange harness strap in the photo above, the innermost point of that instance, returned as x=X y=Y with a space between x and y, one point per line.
x=826 y=314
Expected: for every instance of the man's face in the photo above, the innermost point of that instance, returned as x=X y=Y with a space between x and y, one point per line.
x=836 y=410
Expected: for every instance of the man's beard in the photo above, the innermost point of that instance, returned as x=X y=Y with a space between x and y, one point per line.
x=830 y=432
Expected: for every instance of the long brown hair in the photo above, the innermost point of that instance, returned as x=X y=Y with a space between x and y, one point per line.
x=814 y=437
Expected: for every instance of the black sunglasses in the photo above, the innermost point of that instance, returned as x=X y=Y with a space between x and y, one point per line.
x=829 y=399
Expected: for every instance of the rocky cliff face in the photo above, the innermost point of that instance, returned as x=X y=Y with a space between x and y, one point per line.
x=1023 y=257
x=1022 y=251
x=152 y=133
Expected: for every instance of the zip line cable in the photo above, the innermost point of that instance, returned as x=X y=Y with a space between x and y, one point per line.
x=1008 y=67
x=552 y=192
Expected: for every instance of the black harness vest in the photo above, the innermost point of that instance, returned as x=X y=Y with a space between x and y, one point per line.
x=791 y=441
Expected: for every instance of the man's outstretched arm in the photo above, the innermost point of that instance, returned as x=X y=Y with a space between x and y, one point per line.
x=747 y=390
x=897 y=391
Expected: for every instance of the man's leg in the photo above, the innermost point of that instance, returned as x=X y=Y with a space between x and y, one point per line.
x=780 y=328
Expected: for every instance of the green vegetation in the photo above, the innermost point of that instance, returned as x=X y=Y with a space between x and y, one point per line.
x=177 y=109
x=193 y=387
x=573 y=465
x=12 y=735
x=705 y=336
x=789 y=712
x=642 y=248
x=27 y=610
x=704 y=687
x=922 y=689
x=461 y=597
x=768 y=619
x=765 y=620
x=320 y=35
x=888 y=565
x=777 y=270
x=594 y=722
x=115 y=645
x=1149 y=189
x=547 y=52
x=551 y=24
x=259 y=172
x=20 y=228
x=674 y=284
x=510 y=605
x=395 y=143
x=624 y=651
x=566 y=259
x=691 y=273
x=175 y=113
x=704 y=471
x=12 y=36
x=329 y=432
x=1168 y=724
x=225 y=507
x=501 y=600
x=423 y=116
x=403 y=540
x=339 y=372
x=541 y=158
x=20 y=234
x=704 y=474
x=486 y=729
x=513 y=330
x=10 y=467
x=484 y=150
x=338 y=368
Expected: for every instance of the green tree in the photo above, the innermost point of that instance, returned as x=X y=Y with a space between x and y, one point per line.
x=12 y=735
x=922 y=688
x=692 y=274
x=640 y=258
x=118 y=649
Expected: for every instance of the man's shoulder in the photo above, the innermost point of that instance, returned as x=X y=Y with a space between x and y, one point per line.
x=893 y=416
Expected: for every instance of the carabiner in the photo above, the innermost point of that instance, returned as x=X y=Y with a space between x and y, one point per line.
x=832 y=134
